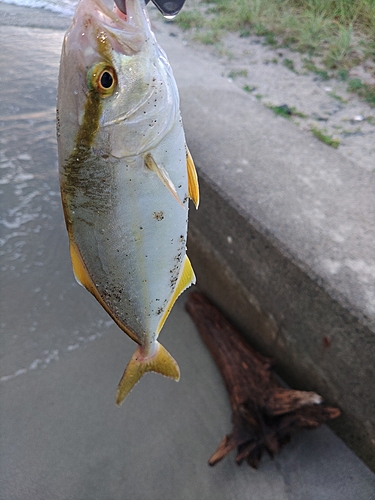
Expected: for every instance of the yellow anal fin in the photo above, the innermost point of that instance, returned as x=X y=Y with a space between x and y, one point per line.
x=193 y=185
x=82 y=276
x=160 y=362
x=186 y=278
x=163 y=176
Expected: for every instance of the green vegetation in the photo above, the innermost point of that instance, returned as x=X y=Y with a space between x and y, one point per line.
x=270 y=39
x=190 y=19
x=285 y=111
x=327 y=139
x=343 y=74
x=367 y=92
x=209 y=37
x=310 y=66
x=339 y=33
x=249 y=89
x=236 y=73
x=337 y=97
x=288 y=63
x=355 y=85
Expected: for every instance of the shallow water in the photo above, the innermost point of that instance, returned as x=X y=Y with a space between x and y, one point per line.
x=36 y=276
x=66 y=7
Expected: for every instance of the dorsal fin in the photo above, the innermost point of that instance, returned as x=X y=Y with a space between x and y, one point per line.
x=193 y=185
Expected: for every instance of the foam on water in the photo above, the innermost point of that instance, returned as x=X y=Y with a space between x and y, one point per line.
x=66 y=7
x=52 y=355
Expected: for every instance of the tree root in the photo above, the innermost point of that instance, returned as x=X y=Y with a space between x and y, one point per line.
x=264 y=414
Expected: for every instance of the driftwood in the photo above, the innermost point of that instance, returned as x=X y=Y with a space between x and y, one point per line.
x=264 y=414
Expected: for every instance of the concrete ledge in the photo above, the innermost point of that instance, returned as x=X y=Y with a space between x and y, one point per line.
x=284 y=241
x=318 y=344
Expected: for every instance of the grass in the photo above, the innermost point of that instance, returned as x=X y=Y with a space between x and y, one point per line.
x=190 y=19
x=288 y=63
x=310 y=66
x=249 y=89
x=237 y=73
x=286 y=112
x=340 y=33
x=210 y=37
x=337 y=97
x=343 y=74
x=324 y=137
x=367 y=92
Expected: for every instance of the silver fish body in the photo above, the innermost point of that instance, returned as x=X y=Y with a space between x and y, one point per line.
x=125 y=175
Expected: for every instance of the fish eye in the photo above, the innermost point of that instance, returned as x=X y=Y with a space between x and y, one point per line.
x=102 y=78
x=106 y=80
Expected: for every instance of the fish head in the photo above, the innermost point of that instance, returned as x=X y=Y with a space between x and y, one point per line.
x=116 y=90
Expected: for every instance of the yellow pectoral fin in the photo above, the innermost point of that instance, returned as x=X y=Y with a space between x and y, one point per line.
x=186 y=278
x=160 y=362
x=193 y=185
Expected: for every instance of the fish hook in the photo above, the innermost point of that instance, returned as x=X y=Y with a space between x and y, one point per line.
x=169 y=8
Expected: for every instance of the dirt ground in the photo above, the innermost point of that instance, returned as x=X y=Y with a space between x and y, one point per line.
x=316 y=103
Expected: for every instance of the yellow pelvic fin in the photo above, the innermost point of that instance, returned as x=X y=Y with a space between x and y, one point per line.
x=192 y=179
x=186 y=278
x=79 y=270
x=160 y=362
x=163 y=176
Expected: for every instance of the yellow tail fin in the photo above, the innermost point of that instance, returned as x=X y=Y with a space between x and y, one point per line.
x=160 y=362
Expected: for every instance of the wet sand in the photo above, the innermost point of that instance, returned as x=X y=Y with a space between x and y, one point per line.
x=62 y=436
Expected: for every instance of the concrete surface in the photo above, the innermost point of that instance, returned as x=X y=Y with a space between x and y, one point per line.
x=61 y=435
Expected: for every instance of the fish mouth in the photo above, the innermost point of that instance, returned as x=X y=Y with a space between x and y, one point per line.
x=121 y=14
x=124 y=33
x=121 y=5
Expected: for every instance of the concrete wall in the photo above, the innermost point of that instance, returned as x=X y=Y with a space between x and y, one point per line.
x=318 y=344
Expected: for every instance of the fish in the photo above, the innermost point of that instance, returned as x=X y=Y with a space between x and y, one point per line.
x=126 y=175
